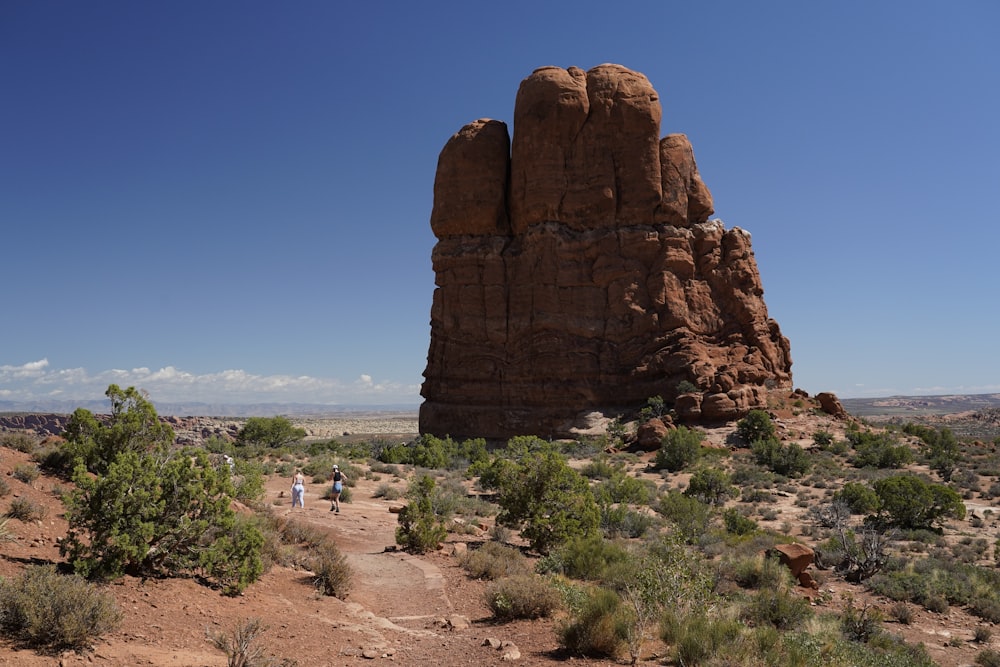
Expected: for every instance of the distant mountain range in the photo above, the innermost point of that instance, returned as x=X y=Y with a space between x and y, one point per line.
x=903 y=406
x=888 y=406
x=212 y=409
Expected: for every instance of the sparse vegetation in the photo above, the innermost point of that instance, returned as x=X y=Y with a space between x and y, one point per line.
x=521 y=596
x=624 y=574
x=45 y=609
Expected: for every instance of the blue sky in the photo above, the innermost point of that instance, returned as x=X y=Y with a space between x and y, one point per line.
x=228 y=201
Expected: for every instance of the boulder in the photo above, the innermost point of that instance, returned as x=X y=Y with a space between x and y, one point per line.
x=831 y=405
x=796 y=557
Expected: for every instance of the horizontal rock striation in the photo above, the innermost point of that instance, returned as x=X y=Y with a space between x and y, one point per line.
x=577 y=270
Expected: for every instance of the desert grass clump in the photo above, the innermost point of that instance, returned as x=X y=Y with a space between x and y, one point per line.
x=5 y=534
x=696 y=637
x=387 y=491
x=243 y=648
x=26 y=472
x=43 y=608
x=494 y=561
x=300 y=532
x=521 y=596
x=988 y=658
x=333 y=575
x=25 y=510
x=597 y=625
x=757 y=571
x=779 y=608
x=4 y=488
x=19 y=441
x=902 y=612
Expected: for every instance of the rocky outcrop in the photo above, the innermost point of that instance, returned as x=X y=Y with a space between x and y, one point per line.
x=577 y=270
x=831 y=405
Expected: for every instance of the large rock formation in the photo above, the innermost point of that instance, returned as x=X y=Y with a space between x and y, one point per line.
x=577 y=270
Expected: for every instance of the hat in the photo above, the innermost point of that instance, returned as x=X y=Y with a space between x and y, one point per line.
x=336 y=467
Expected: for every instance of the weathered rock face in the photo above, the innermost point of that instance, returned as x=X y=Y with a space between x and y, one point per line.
x=577 y=270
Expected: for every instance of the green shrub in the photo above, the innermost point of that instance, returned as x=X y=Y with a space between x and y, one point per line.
x=697 y=637
x=273 y=432
x=908 y=501
x=860 y=498
x=622 y=521
x=133 y=426
x=420 y=529
x=711 y=486
x=231 y=556
x=150 y=513
x=539 y=493
x=737 y=524
x=878 y=450
x=758 y=571
x=757 y=425
x=690 y=515
x=787 y=460
x=679 y=449
x=597 y=626
x=43 y=608
x=333 y=574
x=521 y=596
x=586 y=558
x=777 y=607
x=494 y=561
x=822 y=438
x=248 y=482
x=622 y=488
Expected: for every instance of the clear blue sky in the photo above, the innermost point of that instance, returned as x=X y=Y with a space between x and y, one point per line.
x=229 y=201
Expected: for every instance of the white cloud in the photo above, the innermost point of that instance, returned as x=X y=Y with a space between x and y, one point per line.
x=174 y=385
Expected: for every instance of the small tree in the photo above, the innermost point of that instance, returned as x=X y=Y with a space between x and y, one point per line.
x=678 y=449
x=133 y=425
x=942 y=452
x=757 y=425
x=140 y=508
x=655 y=407
x=711 y=486
x=908 y=501
x=269 y=432
x=420 y=528
x=540 y=493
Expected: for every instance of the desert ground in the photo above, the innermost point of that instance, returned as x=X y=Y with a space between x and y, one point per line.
x=402 y=609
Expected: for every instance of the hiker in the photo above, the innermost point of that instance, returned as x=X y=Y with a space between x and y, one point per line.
x=298 y=490
x=338 y=486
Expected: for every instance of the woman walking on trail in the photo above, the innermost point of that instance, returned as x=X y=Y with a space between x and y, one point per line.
x=298 y=490
x=338 y=487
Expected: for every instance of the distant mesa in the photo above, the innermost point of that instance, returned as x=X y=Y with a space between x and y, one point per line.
x=578 y=272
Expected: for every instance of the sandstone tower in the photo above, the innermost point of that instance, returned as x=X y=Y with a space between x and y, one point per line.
x=577 y=270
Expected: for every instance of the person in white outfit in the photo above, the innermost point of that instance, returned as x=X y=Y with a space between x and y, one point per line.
x=298 y=490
